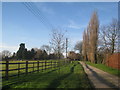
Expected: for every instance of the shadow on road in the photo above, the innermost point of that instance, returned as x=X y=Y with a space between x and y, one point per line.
x=101 y=79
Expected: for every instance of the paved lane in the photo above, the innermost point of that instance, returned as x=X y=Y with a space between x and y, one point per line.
x=101 y=79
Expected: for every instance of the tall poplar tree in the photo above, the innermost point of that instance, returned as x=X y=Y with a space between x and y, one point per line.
x=93 y=28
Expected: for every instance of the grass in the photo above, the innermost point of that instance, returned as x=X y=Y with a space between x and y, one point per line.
x=15 y=66
x=105 y=68
x=69 y=76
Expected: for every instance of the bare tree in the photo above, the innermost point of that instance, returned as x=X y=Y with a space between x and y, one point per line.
x=78 y=46
x=35 y=49
x=84 y=47
x=47 y=48
x=90 y=39
x=6 y=54
x=93 y=27
x=58 y=42
x=88 y=44
x=38 y=54
x=109 y=35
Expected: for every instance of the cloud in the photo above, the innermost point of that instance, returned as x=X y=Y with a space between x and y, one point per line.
x=74 y=25
x=8 y=47
x=44 y=8
x=47 y=10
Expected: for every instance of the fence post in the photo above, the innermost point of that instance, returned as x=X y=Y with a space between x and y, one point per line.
x=38 y=66
x=45 y=64
x=7 y=69
x=42 y=66
x=33 y=66
x=18 y=69
x=59 y=65
x=56 y=65
x=51 y=64
x=26 y=67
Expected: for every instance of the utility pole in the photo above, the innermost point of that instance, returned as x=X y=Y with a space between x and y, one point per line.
x=66 y=46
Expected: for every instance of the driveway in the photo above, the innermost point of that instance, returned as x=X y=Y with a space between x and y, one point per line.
x=101 y=79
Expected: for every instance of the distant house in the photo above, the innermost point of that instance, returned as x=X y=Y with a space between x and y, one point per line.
x=73 y=56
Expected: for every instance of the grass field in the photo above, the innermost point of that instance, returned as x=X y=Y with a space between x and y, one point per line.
x=15 y=66
x=106 y=68
x=69 y=76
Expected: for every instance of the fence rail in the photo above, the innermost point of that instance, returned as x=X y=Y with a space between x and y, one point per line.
x=40 y=66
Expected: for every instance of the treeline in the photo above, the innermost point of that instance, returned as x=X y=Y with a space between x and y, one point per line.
x=54 y=51
x=33 y=54
x=98 y=42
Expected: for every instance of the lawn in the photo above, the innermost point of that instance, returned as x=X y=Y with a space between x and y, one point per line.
x=68 y=76
x=15 y=66
x=105 y=68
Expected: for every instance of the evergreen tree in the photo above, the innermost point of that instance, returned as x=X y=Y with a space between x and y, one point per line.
x=20 y=52
x=44 y=54
x=14 y=55
x=25 y=54
x=29 y=55
x=33 y=53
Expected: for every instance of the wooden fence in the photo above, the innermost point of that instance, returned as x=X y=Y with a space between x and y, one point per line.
x=40 y=66
x=113 y=60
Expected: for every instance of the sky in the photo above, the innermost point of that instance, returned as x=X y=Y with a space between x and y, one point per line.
x=20 y=25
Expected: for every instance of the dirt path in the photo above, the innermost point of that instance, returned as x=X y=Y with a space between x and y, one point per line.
x=101 y=79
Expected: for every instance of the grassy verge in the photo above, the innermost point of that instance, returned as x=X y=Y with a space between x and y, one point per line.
x=105 y=68
x=69 y=76
x=76 y=79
